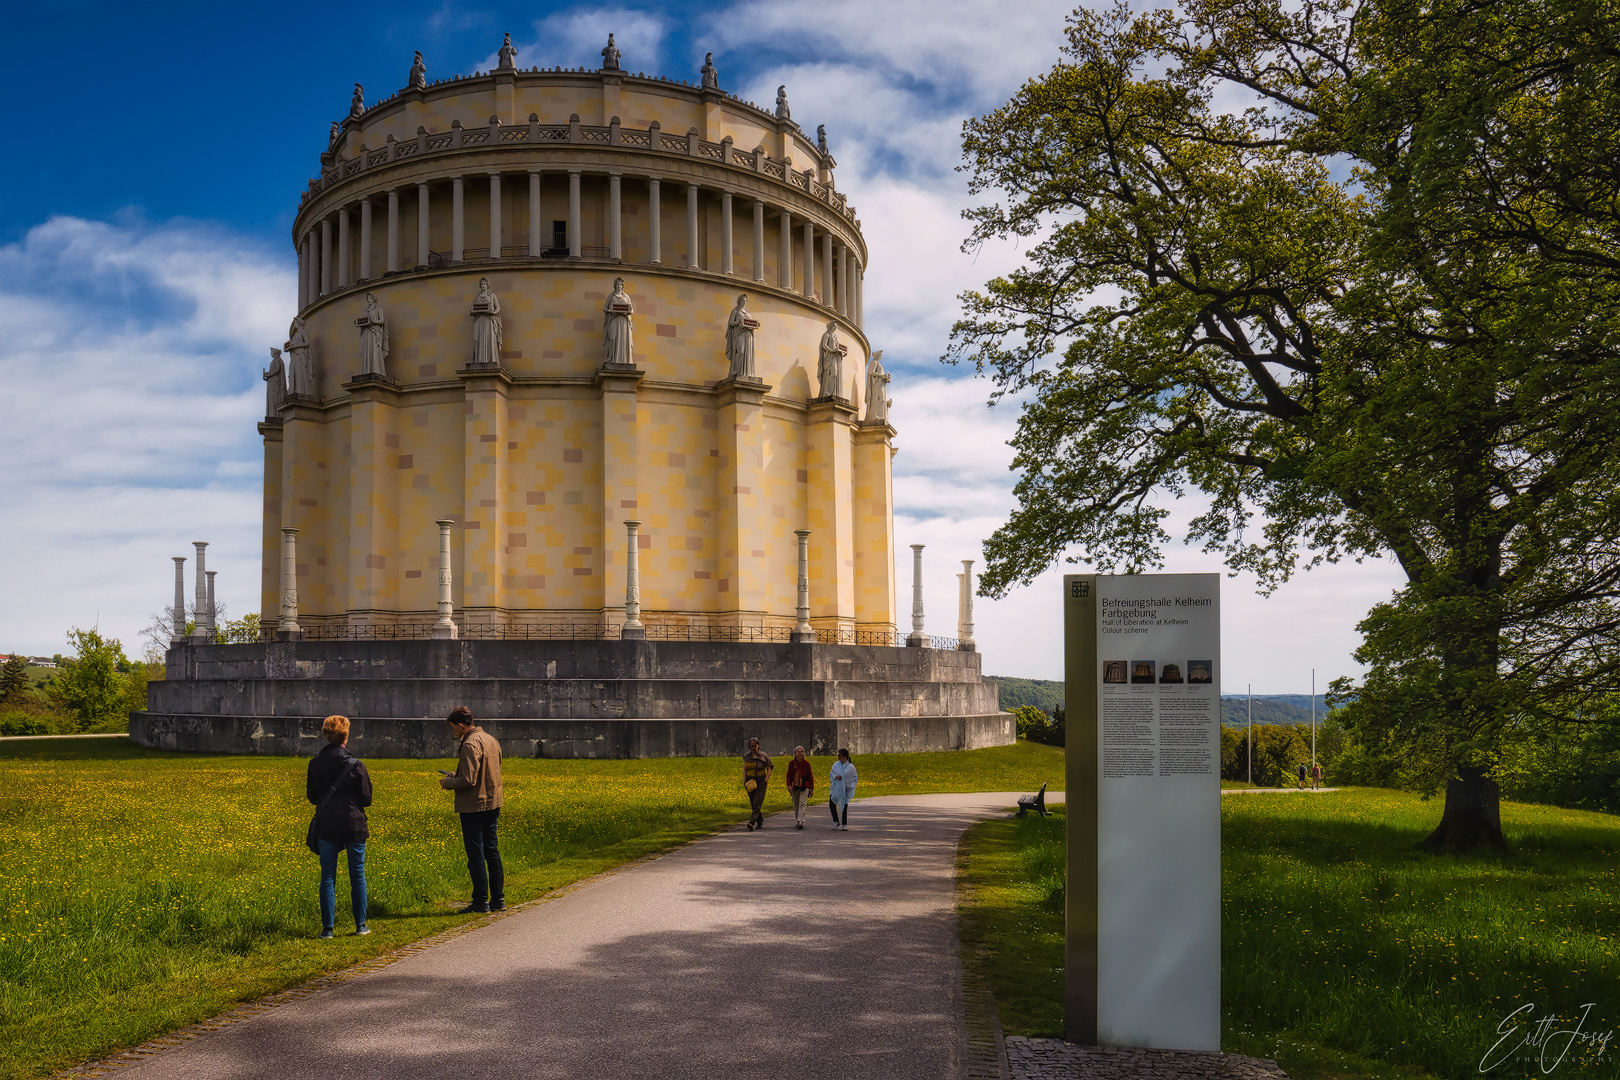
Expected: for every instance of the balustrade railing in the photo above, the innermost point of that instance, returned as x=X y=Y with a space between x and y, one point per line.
x=575 y=631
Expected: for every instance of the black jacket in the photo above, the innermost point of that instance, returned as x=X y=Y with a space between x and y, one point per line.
x=343 y=819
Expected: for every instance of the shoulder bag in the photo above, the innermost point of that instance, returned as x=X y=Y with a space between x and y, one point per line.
x=311 y=840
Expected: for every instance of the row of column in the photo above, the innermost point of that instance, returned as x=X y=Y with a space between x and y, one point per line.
x=839 y=272
x=204 y=610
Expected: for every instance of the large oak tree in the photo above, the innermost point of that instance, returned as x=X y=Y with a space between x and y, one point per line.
x=1352 y=271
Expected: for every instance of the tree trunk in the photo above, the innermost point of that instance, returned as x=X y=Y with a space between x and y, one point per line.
x=1472 y=819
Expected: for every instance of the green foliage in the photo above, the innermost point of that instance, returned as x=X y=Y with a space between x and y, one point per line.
x=1279 y=751
x=98 y=687
x=245 y=629
x=1044 y=694
x=1235 y=711
x=13 y=680
x=1038 y=727
x=1377 y=315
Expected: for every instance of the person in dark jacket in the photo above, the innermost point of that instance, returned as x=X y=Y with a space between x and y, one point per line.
x=340 y=820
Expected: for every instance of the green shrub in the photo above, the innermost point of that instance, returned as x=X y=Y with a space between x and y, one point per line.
x=1038 y=727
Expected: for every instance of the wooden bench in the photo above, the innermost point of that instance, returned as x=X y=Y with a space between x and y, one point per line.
x=1036 y=802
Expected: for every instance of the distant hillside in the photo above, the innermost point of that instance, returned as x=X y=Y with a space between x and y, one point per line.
x=1044 y=694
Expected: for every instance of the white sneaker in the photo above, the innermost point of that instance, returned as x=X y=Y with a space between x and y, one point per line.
x=844 y=828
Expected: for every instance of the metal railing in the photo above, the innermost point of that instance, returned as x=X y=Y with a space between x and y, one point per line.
x=574 y=631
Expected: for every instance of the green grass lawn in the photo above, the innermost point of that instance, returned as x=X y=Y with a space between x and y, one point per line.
x=146 y=890
x=1345 y=953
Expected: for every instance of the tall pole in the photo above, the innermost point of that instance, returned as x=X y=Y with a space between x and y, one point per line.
x=802 y=630
x=916 y=640
x=287 y=628
x=179 y=600
x=1251 y=733
x=199 y=630
x=445 y=628
x=1313 y=720
x=633 y=628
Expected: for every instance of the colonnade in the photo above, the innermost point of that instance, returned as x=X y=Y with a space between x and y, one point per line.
x=832 y=276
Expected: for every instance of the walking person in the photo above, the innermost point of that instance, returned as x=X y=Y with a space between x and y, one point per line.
x=477 y=784
x=1301 y=772
x=801 y=782
x=1316 y=775
x=340 y=787
x=757 y=770
x=840 y=788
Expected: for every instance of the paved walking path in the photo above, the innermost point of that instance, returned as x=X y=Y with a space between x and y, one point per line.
x=771 y=954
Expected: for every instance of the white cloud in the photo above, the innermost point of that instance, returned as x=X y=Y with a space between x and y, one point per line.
x=575 y=38
x=131 y=362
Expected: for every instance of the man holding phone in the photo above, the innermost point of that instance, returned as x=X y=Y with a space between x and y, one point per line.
x=477 y=784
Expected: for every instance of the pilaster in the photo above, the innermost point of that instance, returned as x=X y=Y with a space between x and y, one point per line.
x=744 y=592
x=301 y=423
x=270 y=536
x=829 y=462
x=874 y=526
x=373 y=496
x=619 y=384
x=484 y=464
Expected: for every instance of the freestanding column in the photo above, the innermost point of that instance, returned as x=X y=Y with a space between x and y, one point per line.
x=632 y=583
x=573 y=214
x=692 y=262
x=423 y=254
x=287 y=629
x=213 y=623
x=829 y=297
x=802 y=631
x=759 y=240
x=445 y=628
x=964 y=620
x=725 y=232
x=655 y=217
x=345 y=251
x=365 y=239
x=784 y=257
x=860 y=296
x=843 y=280
x=392 y=265
x=310 y=270
x=458 y=220
x=495 y=230
x=179 y=612
x=615 y=240
x=809 y=261
x=535 y=246
x=916 y=639
x=199 y=629
x=326 y=257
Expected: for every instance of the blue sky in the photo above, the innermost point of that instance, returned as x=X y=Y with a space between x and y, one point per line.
x=146 y=264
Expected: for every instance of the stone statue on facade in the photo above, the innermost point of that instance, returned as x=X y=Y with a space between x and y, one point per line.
x=418 y=79
x=711 y=77
x=610 y=56
x=740 y=329
x=877 y=382
x=616 y=312
x=358 y=104
x=333 y=136
x=508 y=56
x=275 y=384
x=300 y=370
x=782 y=110
x=821 y=139
x=486 y=317
x=830 y=370
x=373 y=339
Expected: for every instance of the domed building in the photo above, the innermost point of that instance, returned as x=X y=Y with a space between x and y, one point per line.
x=550 y=186
x=577 y=426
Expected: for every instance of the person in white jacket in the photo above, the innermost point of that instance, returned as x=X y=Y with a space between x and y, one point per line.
x=841 y=788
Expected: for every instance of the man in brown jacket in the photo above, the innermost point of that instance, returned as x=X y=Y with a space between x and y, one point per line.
x=477 y=784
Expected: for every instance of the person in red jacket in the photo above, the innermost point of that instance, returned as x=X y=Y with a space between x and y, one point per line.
x=801 y=781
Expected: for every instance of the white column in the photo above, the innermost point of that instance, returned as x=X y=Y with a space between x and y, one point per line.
x=326 y=256
x=655 y=220
x=784 y=257
x=615 y=240
x=573 y=214
x=759 y=240
x=288 y=626
x=964 y=621
x=179 y=613
x=345 y=257
x=213 y=623
x=691 y=228
x=458 y=220
x=802 y=630
x=843 y=280
x=725 y=232
x=365 y=239
x=809 y=260
x=860 y=296
x=632 y=583
x=199 y=630
x=916 y=638
x=392 y=265
x=536 y=245
x=423 y=253
x=495 y=230
x=445 y=628
x=827 y=297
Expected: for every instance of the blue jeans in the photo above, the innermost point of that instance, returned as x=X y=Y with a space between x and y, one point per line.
x=357 y=882
x=484 y=856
